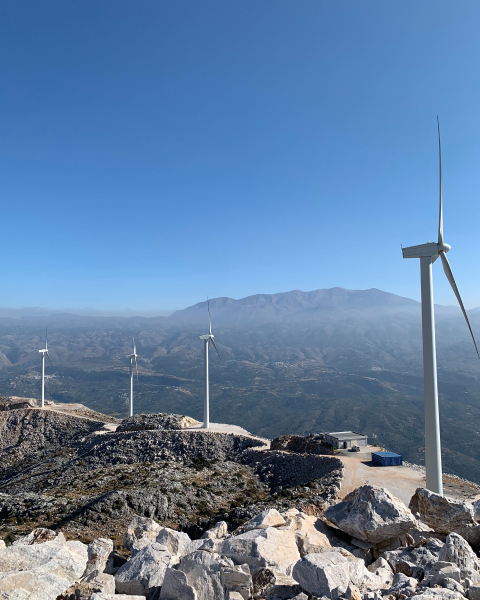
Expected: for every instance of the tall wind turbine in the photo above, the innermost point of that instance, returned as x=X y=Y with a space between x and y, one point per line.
x=43 y=352
x=132 y=357
x=428 y=254
x=208 y=339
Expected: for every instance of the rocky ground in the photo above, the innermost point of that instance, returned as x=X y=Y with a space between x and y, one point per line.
x=157 y=511
x=67 y=471
x=369 y=546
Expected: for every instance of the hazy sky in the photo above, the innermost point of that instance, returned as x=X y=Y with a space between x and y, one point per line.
x=156 y=151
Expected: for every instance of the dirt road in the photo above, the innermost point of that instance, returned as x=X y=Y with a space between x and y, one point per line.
x=400 y=481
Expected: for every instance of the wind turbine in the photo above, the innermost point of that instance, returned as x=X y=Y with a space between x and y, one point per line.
x=428 y=254
x=43 y=352
x=208 y=339
x=132 y=357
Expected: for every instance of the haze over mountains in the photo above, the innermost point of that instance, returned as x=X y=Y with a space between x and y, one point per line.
x=293 y=362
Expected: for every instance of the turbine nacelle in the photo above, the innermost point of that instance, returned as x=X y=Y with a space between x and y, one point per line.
x=209 y=336
x=423 y=250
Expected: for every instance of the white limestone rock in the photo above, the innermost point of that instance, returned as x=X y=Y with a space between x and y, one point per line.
x=312 y=535
x=267 y=518
x=439 y=594
x=270 y=547
x=402 y=586
x=445 y=515
x=175 y=586
x=177 y=542
x=99 y=554
x=379 y=579
x=233 y=596
x=145 y=571
x=454 y=586
x=327 y=574
x=237 y=579
x=380 y=563
x=2 y=545
x=371 y=514
x=440 y=571
x=458 y=551
x=40 y=535
x=38 y=571
x=141 y=532
x=198 y=577
x=218 y=532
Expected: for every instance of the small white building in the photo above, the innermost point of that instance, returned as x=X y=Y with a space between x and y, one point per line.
x=346 y=439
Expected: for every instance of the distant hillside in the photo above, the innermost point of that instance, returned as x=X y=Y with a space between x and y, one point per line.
x=295 y=362
x=296 y=306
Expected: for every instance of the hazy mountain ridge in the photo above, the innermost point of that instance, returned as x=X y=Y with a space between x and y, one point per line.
x=290 y=363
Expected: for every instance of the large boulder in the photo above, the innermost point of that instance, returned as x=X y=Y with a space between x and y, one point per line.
x=440 y=571
x=38 y=536
x=237 y=579
x=177 y=542
x=328 y=574
x=414 y=561
x=218 y=532
x=144 y=572
x=445 y=515
x=38 y=571
x=270 y=547
x=267 y=518
x=371 y=514
x=457 y=550
x=439 y=594
x=141 y=532
x=198 y=577
x=99 y=554
x=312 y=535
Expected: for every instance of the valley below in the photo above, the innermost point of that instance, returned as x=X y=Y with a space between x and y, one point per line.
x=293 y=363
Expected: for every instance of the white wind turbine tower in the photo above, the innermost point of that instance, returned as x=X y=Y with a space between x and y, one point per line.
x=43 y=352
x=132 y=357
x=428 y=254
x=208 y=339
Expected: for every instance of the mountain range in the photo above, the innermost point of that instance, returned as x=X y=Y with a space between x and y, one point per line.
x=294 y=362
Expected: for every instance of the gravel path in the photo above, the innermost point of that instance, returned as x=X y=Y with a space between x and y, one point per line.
x=400 y=481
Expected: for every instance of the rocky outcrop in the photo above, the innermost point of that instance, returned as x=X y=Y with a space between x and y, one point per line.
x=161 y=421
x=38 y=570
x=274 y=556
x=145 y=572
x=308 y=444
x=446 y=515
x=371 y=514
x=327 y=574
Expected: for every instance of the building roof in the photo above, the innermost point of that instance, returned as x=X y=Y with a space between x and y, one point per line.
x=387 y=454
x=347 y=435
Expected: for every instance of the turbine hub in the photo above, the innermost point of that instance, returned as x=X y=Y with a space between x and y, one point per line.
x=444 y=247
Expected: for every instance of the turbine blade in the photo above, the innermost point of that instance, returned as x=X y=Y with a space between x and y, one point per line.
x=46 y=337
x=440 y=212
x=449 y=274
x=134 y=350
x=209 y=319
x=49 y=358
x=215 y=347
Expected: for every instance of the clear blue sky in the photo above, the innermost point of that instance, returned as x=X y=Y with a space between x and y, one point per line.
x=153 y=152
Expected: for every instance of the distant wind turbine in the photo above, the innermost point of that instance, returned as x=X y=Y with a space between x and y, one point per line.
x=43 y=352
x=428 y=254
x=208 y=339
x=132 y=357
